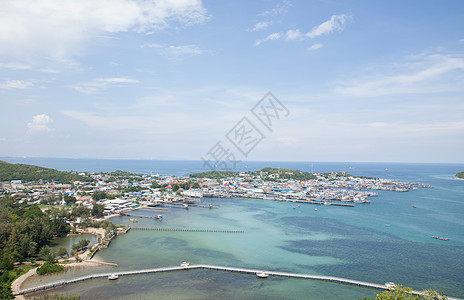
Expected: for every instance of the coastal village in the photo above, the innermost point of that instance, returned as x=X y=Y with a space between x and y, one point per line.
x=121 y=191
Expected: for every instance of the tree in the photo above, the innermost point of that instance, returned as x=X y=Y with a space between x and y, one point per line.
x=97 y=210
x=68 y=199
x=97 y=195
x=433 y=295
x=62 y=252
x=46 y=254
x=80 y=211
x=82 y=244
x=404 y=293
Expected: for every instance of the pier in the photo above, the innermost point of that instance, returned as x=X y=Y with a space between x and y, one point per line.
x=187 y=229
x=210 y=267
x=141 y=216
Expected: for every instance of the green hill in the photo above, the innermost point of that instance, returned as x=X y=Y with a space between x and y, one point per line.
x=460 y=175
x=214 y=174
x=30 y=173
x=273 y=173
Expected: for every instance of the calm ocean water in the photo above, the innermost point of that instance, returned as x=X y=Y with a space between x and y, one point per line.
x=340 y=241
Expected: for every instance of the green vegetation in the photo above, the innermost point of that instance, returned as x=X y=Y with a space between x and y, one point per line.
x=98 y=195
x=49 y=267
x=277 y=173
x=31 y=173
x=6 y=279
x=81 y=245
x=25 y=229
x=460 y=175
x=404 y=293
x=214 y=174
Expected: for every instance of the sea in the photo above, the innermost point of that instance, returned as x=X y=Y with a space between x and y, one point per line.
x=389 y=239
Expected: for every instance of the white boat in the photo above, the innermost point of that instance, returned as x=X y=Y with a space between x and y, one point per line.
x=113 y=277
x=262 y=275
x=184 y=264
x=390 y=285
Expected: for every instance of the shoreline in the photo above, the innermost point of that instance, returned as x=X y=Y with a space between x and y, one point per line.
x=16 y=285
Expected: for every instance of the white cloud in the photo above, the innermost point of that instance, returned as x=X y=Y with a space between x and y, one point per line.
x=336 y=23
x=316 y=46
x=260 y=26
x=59 y=29
x=117 y=80
x=98 y=84
x=272 y=36
x=183 y=50
x=15 y=66
x=39 y=124
x=175 y=52
x=280 y=9
x=15 y=84
x=151 y=45
x=422 y=74
x=293 y=35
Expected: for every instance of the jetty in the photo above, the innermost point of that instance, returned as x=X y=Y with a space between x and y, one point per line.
x=186 y=266
x=187 y=229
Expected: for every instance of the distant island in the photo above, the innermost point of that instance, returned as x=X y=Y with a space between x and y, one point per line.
x=460 y=175
x=274 y=174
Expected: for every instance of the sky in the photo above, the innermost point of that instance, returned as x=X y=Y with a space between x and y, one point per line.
x=360 y=81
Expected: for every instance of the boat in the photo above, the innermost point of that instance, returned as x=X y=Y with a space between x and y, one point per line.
x=390 y=285
x=315 y=209
x=113 y=276
x=413 y=206
x=387 y=225
x=444 y=239
x=184 y=264
x=158 y=217
x=435 y=237
x=262 y=274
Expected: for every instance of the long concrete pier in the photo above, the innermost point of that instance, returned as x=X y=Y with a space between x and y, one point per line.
x=209 y=267
x=187 y=229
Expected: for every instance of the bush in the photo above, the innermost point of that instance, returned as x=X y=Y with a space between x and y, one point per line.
x=49 y=267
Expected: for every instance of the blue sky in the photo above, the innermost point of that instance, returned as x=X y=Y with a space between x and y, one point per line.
x=362 y=80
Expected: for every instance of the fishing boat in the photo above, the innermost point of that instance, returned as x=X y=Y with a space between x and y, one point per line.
x=262 y=274
x=435 y=237
x=113 y=276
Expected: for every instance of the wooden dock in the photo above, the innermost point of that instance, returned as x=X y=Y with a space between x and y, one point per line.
x=188 y=229
x=209 y=267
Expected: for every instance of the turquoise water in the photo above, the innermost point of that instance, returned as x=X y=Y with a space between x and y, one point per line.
x=68 y=241
x=340 y=241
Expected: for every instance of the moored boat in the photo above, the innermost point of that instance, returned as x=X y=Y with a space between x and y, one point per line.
x=262 y=274
x=113 y=277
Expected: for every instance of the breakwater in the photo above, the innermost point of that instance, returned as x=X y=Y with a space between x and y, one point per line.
x=187 y=229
